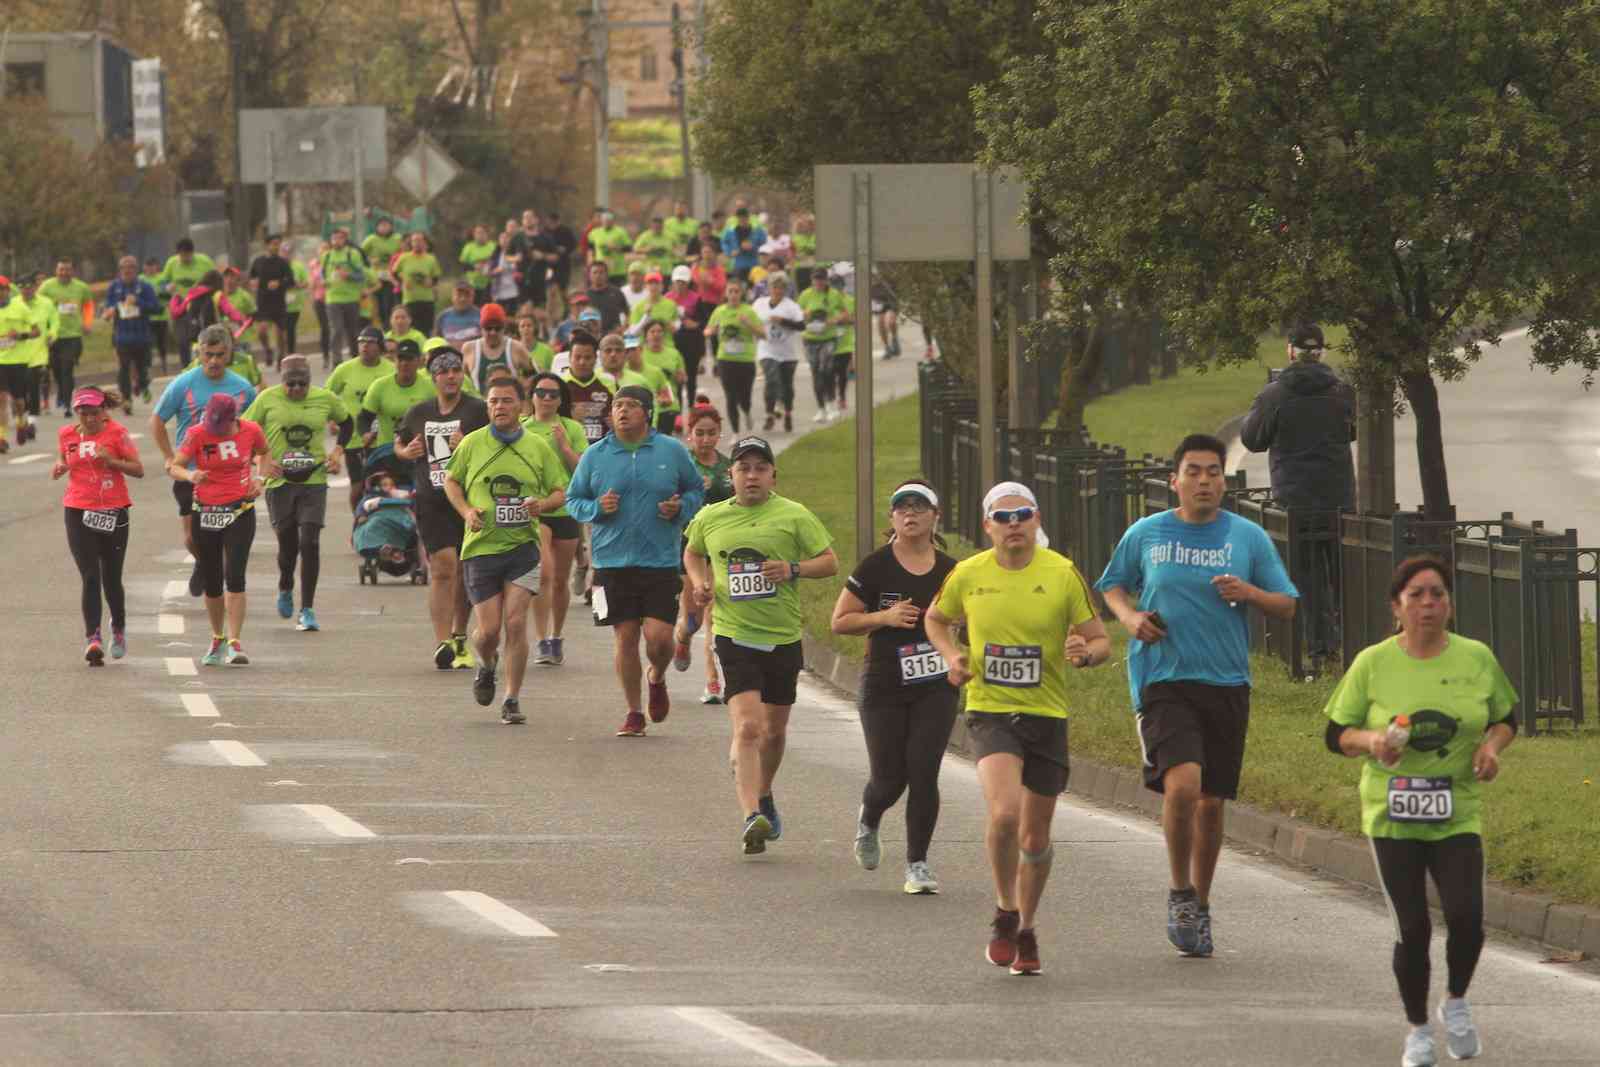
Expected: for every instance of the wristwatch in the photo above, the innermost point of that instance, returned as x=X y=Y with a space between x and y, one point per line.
x=794 y=572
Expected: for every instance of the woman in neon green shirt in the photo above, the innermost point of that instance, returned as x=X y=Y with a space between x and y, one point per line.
x=559 y=532
x=419 y=276
x=1430 y=712
x=736 y=326
x=474 y=254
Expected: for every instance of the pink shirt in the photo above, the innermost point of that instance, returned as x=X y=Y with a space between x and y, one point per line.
x=91 y=484
x=227 y=461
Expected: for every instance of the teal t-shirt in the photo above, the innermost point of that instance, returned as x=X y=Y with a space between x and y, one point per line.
x=738 y=540
x=297 y=432
x=496 y=479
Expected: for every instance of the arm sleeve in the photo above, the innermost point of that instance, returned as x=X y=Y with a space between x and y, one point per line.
x=346 y=431
x=581 y=503
x=1260 y=425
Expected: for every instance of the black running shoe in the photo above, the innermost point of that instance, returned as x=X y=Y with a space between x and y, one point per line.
x=444 y=657
x=511 y=712
x=483 y=685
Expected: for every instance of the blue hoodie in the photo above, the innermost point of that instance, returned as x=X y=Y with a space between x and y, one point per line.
x=635 y=535
x=132 y=330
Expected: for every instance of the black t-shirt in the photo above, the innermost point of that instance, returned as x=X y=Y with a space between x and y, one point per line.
x=879 y=581
x=611 y=304
x=469 y=414
x=690 y=341
x=272 y=269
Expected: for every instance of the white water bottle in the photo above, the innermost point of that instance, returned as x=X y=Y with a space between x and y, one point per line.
x=1396 y=737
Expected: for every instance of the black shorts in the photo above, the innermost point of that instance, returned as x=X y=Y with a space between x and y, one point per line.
x=775 y=675
x=14 y=379
x=1040 y=741
x=667 y=422
x=297 y=505
x=562 y=527
x=183 y=493
x=438 y=525
x=634 y=593
x=486 y=576
x=1192 y=722
x=275 y=315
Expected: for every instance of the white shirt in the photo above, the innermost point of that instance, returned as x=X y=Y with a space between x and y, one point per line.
x=632 y=297
x=781 y=343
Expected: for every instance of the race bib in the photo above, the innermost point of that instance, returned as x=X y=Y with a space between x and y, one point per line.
x=129 y=311
x=7 y=342
x=1421 y=800
x=66 y=309
x=436 y=477
x=1013 y=666
x=216 y=516
x=920 y=662
x=746 y=582
x=732 y=346
x=298 y=462
x=101 y=521
x=510 y=513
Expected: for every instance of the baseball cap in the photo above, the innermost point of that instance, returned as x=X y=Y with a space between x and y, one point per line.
x=371 y=333
x=589 y=315
x=746 y=445
x=654 y=276
x=632 y=339
x=1307 y=335
x=919 y=492
x=635 y=267
x=491 y=313
x=408 y=350
x=221 y=410
x=5 y=283
x=681 y=273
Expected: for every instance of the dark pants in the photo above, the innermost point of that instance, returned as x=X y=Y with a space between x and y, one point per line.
x=346 y=321
x=388 y=297
x=133 y=370
x=64 y=356
x=738 y=385
x=159 y=329
x=291 y=330
x=223 y=555
x=99 y=557
x=300 y=543
x=324 y=337
x=421 y=312
x=906 y=730
x=36 y=380
x=820 y=355
x=1456 y=864
x=779 y=389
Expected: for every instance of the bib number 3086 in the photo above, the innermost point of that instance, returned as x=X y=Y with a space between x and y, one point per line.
x=1414 y=799
x=746 y=582
x=1013 y=666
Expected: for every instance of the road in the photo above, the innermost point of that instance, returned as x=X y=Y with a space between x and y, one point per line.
x=333 y=856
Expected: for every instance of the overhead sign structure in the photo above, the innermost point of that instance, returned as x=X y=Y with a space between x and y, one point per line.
x=425 y=168
x=295 y=145
x=908 y=212
x=149 y=112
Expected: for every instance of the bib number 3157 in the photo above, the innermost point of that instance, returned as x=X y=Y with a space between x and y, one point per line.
x=921 y=662
x=1013 y=666
x=1414 y=799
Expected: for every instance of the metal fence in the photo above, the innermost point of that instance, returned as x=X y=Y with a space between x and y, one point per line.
x=1517 y=586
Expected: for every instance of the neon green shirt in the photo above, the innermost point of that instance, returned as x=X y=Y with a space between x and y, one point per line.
x=1452 y=699
x=736 y=332
x=69 y=300
x=575 y=440
x=351 y=379
x=821 y=309
x=180 y=277
x=737 y=540
x=243 y=301
x=389 y=400
x=380 y=250
x=543 y=355
x=846 y=334
x=497 y=478
x=664 y=311
x=419 y=276
x=294 y=302
x=412 y=334
x=163 y=294
x=656 y=248
x=612 y=244
x=670 y=362
x=16 y=317
x=297 y=432
x=345 y=273
x=681 y=231
x=49 y=323
x=472 y=255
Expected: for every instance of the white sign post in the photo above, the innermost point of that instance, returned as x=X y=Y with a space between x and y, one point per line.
x=425 y=168
x=149 y=112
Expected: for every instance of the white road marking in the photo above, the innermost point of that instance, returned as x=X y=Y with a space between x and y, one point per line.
x=34 y=458
x=335 y=822
x=175 y=590
x=502 y=915
x=136 y=437
x=181 y=666
x=237 y=754
x=754 y=1038
x=339 y=481
x=169 y=624
x=199 y=706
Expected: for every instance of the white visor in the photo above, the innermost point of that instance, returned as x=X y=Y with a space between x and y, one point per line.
x=915 y=490
x=1005 y=489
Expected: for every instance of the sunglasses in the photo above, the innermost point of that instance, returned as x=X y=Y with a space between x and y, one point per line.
x=914 y=504
x=493 y=329
x=1007 y=516
x=547 y=394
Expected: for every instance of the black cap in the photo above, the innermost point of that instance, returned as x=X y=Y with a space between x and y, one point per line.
x=746 y=445
x=640 y=394
x=1307 y=335
x=408 y=349
x=370 y=333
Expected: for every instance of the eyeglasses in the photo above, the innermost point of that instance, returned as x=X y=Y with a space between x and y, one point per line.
x=914 y=504
x=547 y=394
x=1007 y=516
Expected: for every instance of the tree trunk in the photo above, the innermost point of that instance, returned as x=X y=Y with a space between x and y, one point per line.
x=1422 y=395
x=1082 y=370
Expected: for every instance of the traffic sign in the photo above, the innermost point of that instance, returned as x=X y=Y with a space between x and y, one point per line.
x=425 y=168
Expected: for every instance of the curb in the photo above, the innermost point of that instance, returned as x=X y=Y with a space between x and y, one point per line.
x=1527 y=915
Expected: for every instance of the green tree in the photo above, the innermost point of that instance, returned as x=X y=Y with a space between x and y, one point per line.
x=1420 y=173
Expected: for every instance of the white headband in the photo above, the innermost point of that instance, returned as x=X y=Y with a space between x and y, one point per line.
x=916 y=490
x=1005 y=489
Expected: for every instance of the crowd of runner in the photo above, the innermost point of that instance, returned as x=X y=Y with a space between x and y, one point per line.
x=511 y=474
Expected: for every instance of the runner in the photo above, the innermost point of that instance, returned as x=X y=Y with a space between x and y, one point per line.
x=243 y=301
x=475 y=258
x=634 y=292
x=345 y=274
x=431 y=431
x=272 y=276
x=690 y=336
x=654 y=246
x=844 y=355
x=158 y=322
x=1180 y=582
x=500 y=479
x=588 y=393
x=97 y=456
x=419 y=274
x=638 y=489
x=655 y=304
x=611 y=245
x=294 y=418
x=17 y=328
x=825 y=315
x=779 y=350
x=747 y=555
x=735 y=326
x=560 y=533
x=494 y=351
x=703 y=430
x=1022 y=603
x=380 y=247
x=659 y=354
x=295 y=302
x=34 y=354
x=461 y=321
x=223 y=448
x=907 y=711
x=71 y=295
x=185 y=399
x=181 y=273
x=388 y=399
x=131 y=303
x=614 y=371
x=530 y=331
x=1430 y=711
x=606 y=298
x=349 y=382
x=402 y=328
x=680 y=230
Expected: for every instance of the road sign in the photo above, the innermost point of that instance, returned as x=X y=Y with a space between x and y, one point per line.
x=425 y=168
x=921 y=212
x=149 y=112
x=295 y=145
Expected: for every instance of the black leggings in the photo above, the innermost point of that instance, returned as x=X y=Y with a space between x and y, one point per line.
x=841 y=375
x=421 y=312
x=324 y=336
x=1456 y=864
x=291 y=330
x=222 y=555
x=779 y=391
x=906 y=731
x=302 y=542
x=158 y=327
x=133 y=369
x=738 y=385
x=99 y=557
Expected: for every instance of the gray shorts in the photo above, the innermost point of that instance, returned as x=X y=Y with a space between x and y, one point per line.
x=486 y=576
x=297 y=505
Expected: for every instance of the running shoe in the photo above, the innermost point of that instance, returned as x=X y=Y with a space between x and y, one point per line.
x=306 y=621
x=1026 y=961
x=144 y=394
x=94 y=655
x=632 y=726
x=757 y=830
x=1183 y=920
x=868 y=851
x=5 y=446
x=285 y=604
x=483 y=685
x=712 y=693
x=1002 y=950
x=558 y=652
x=464 y=660
x=511 y=712
x=542 y=656
x=444 y=657
x=1420 y=1050
x=660 y=703
x=820 y=416
x=1460 y=1032
x=1204 y=946
x=119 y=644
x=770 y=810
x=788 y=421
x=197 y=584
x=682 y=656
x=770 y=421
x=235 y=656
x=213 y=658
x=920 y=880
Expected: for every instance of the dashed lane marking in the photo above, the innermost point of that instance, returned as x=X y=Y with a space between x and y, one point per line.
x=32 y=458
x=334 y=821
x=238 y=754
x=200 y=706
x=753 y=1038
x=502 y=915
x=175 y=590
x=169 y=624
x=181 y=667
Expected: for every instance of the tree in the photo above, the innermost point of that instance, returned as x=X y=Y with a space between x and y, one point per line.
x=1420 y=173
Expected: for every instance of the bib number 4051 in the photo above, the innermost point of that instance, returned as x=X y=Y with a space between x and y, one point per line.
x=1013 y=666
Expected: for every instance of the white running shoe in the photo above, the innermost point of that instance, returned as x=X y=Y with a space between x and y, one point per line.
x=1460 y=1032
x=920 y=879
x=1420 y=1051
x=868 y=851
x=820 y=416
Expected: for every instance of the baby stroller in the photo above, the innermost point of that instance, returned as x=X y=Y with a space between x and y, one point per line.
x=385 y=531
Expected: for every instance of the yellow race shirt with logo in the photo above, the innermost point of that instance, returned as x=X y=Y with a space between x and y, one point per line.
x=1017 y=626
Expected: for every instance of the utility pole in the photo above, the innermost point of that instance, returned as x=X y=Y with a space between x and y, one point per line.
x=680 y=89
x=600 y=47
x=700 y=197
x=240 y=250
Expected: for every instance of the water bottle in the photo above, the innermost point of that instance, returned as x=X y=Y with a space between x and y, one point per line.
x=1396 y=737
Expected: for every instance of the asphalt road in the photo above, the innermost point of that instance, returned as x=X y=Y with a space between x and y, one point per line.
x=351 y=863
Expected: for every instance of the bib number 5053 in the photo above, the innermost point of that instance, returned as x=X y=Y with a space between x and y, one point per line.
x=1013 y=666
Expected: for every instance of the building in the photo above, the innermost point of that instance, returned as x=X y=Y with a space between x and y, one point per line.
x=641 y=58
x=86 y=80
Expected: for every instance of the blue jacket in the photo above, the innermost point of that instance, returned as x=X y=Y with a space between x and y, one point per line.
x=134 y=330
x=635 y=535
x=742 y=260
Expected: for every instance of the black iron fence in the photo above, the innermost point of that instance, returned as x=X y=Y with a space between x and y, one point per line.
x=1517 y=585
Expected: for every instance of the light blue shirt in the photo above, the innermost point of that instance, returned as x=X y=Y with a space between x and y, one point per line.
x=1168 y=564
x=635 y=535
x=186 y=396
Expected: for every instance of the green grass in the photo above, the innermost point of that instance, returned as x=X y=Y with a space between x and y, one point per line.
x=1540 y=816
